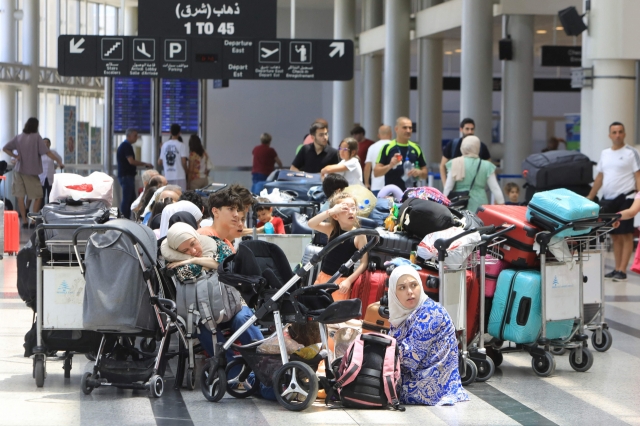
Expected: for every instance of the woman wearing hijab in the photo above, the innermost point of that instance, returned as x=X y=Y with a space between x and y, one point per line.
x=190 y=253
x=470 y=173
x=426 y=338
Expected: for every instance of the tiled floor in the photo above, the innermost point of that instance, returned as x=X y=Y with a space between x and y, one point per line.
x=605 y=395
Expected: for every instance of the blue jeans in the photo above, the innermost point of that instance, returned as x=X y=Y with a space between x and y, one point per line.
x=252 y=334
x=128 y=184
x=258 y=180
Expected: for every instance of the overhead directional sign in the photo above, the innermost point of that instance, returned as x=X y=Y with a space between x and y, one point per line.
x=205 y=58
x=212 y=18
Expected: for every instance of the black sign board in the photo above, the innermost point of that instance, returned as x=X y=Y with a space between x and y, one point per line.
x=561 y=56
x=211 y=18
x=205 y=58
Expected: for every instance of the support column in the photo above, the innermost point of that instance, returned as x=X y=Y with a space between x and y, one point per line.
x=613 y=100
x=371 y=72
x=430 y=72
x=397 y=57
x=31 y=56
x=476 y=75
x=586 y=104
x=7 y=54
x=344 y=21
x=517 y=94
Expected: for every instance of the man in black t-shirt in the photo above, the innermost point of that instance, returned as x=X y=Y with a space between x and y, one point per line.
x=127 y=171
x=452 y=149
x=313 y=157
x=393 y=155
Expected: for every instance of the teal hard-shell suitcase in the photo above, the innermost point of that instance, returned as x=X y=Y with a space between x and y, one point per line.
x=516 y=313
x=553 y=209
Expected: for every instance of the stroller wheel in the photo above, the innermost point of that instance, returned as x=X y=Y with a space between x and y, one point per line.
x=544 y=366
x=241 y=381
x=485 y=368
x=40 y=372
x=216 y=390
x=605 y=344
x=586 y=362
x=84 y=384
x=191 y=378
x=470 y=374
x=156 y=386
x=295 y=385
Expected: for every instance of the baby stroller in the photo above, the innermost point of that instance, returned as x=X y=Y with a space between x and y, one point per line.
x=294 y=381
x=256 y=267
x=121 y=302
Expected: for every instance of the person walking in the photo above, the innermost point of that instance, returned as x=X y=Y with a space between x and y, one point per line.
x=471 y=174
x=618 y=179
x=375 y=184
x=127 y=164
x=48 y=170
x=264 y=158
x=30 y=147
x=173 y=158
x=199 y=164
x=400 y=150
x=452 y=149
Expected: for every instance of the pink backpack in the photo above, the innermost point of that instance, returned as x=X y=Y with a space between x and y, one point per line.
x=369 y=373
x=426 y=193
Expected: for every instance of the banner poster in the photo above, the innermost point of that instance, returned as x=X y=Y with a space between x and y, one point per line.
x=572 y=126
x=70 y=129
x=96 y=145
x=82 y=145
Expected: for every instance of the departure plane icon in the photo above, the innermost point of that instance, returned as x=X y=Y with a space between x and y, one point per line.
x=269 y=52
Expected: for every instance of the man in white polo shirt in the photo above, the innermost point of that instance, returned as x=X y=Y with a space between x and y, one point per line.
x=375 y=184
x=619 y=178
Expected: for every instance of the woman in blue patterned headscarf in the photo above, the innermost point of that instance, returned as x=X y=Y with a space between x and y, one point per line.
x=427 y=341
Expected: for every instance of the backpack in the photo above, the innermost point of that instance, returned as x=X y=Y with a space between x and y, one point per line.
x=208 y=299
x=422 y=217
x=370 y=373
x=426 y=193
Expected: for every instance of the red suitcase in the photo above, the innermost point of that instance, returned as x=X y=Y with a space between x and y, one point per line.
x=11 y=232
x=518 y=247
x=473 y=298
x=369 y=288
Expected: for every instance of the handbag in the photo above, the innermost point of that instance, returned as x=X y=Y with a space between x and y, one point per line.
x=465 y=194
x=614 y=205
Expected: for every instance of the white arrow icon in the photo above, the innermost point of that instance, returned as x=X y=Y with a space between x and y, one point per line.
x=143 y=49
x=338 y=48
x=266 y=52
x=75 y=47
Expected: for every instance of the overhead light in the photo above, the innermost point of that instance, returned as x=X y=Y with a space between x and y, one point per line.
x=559 y=28
x=458 y=50
x=541 y=31
x=448 y=52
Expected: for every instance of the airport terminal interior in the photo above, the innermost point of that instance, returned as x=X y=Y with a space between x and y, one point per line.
x=535 y=76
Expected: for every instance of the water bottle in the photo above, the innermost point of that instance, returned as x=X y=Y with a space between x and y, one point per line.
x=268 y=228
x=408 y=166
x=420 y=182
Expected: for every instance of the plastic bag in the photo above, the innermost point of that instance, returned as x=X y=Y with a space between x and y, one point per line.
x=276 y=196
x=457 y=252
x=365 y=199
x=96 y=186
x=271 y=346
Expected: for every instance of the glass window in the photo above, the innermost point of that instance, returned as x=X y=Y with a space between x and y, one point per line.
x=51 y=16
x=43 y=33
x=93 y=21
x=72 y=17
x=83 y=17
x=102 y=19
x=112 y=21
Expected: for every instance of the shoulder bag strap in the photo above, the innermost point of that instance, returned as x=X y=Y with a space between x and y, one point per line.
x=477 y=171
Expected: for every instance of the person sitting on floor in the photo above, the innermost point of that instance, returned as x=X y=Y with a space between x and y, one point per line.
x=426 y=338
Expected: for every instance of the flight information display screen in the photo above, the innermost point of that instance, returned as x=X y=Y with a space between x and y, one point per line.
x=132 y=105
x=180 y=104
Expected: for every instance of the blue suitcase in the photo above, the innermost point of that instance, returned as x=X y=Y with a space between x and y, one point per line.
x=516 y=313
x=552 y=209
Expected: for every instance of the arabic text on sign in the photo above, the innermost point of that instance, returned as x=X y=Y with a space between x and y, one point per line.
x=205 y=10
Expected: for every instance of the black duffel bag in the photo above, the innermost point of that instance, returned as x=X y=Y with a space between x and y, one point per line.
x=423 y=217
x=557 y=169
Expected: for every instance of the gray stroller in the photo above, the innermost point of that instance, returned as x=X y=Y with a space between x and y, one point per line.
x=121 y=301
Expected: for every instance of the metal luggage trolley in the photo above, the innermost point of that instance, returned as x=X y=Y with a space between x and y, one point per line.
x=453 y=297
x=563 y=300
x=60 y=295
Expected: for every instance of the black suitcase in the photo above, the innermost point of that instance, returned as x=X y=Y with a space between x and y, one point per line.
x=558 y=169
x=392 y=245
